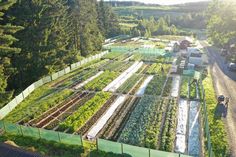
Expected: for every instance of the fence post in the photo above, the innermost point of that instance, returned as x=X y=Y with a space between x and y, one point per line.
x=81 y=140
x=97 y=143
x=59 y=137
x=21 y=130
x=149 y=152
x=122 y=149
x=4 y=126
x=39 y=133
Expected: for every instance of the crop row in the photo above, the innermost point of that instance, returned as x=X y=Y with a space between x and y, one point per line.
x=49 y=95
x=117 y=66
x=74 y=73
x=192 y=90
x=128 y=85
x=84 y=113
x=135 y=130
x=168 y=134
x=116 y=55
x=184 y=87
x=167 y=87
x=156 y=68
x=102 y=81
x=33 y=107
x=156 y=85
x=154 y=124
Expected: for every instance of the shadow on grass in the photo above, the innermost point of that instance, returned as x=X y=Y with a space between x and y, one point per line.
x=96 y=153
x=220 y=111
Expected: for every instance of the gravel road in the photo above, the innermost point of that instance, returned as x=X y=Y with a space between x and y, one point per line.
x=225 y=84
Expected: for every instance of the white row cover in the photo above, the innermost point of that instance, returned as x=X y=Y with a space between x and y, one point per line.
x=88 y=80
x=194 y=138
x=114 y=85
x=175 y=86
x=180 y=146
x=103 y=120
x=144 y=85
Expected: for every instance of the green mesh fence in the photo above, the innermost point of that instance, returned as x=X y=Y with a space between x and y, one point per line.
x=2 y=125
x=120 y=49
x=154 y=51
x=135 y=151
x=12 y=128
x=155 y=153
x=109 y=146
x=49 y=135
x=29 y=131
x=132 y=151
x=70 y=139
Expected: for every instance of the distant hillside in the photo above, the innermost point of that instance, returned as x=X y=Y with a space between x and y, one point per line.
x=188 y=15
x=128 y=3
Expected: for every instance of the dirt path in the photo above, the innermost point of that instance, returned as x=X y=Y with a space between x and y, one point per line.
x=225 y=84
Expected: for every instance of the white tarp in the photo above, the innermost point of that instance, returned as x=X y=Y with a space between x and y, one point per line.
x=88 y=80
x=180 y=143
x=144 y=85
x=182 y=126
x=194 y=138
x=175 y=86
x=103 y=120
x=114 y=85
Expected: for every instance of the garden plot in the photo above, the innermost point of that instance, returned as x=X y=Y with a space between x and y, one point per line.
x=156 y=85
x=88 y=80
x=175 y=86
x=102 y=81
x=194 y=128
x=181 y=130
x=142 y=127
x=81 y=116
x=129 y=84
x=103 y=120
x=144 y=85
x=114 y=85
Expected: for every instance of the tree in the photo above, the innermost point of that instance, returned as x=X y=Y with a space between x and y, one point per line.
x=107 y=20
x=44 y=41
x=7 y=51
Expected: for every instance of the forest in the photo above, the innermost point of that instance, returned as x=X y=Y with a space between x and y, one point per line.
x=221 y=28
x=40 y=37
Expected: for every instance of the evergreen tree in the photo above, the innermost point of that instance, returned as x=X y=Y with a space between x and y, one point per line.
x=6 y=52
x=44 y=41
x=107 y=20
x=91 y=38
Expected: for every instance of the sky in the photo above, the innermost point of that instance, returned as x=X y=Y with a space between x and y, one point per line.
x=165 y=2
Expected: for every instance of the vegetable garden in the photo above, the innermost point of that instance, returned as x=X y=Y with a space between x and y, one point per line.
x=124 y=96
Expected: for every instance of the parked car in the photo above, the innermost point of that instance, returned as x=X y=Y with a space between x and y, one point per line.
x=232 y=66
